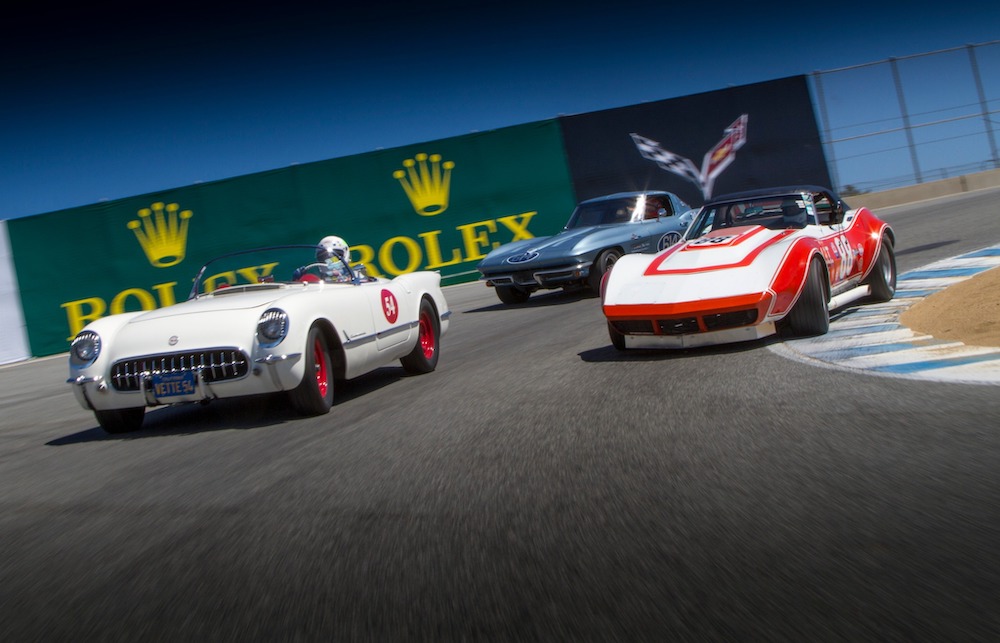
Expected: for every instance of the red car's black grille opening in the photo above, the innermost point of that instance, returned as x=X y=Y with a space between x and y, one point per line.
x=678 y=326
x=215 y=365
x=730 y=320
x=687 y=325
x=634 y=327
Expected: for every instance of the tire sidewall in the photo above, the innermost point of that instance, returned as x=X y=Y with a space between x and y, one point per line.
x=306 y=397
x=416 y=361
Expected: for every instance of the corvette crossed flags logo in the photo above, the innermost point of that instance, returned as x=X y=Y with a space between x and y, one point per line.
x=715 y=161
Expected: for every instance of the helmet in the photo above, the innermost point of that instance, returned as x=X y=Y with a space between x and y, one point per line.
x=330 y=246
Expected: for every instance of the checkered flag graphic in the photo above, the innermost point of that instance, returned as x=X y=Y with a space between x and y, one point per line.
x=667 y=160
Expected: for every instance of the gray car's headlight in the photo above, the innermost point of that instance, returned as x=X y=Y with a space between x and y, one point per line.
x=86 y=347
x=272 y=327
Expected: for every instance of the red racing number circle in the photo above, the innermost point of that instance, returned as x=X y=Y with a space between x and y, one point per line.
x=390 y=307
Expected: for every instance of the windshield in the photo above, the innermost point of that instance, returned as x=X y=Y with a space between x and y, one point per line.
x=268 y=267
x=774 y=212
x=619 y=210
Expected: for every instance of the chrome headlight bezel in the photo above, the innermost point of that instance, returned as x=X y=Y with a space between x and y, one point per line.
x=272 y=327
x=85 y=349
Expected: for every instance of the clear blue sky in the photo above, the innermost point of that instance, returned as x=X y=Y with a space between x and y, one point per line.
x=118 y=99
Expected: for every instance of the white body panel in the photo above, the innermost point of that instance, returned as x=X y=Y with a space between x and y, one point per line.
x=703 y=269
x=375 y=323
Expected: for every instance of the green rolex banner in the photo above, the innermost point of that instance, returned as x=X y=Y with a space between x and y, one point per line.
x=440 y=205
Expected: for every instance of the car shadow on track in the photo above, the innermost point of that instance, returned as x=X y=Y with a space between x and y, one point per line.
x=925 y=247
x=609 y=353
x=539 y=300
x=252 y=412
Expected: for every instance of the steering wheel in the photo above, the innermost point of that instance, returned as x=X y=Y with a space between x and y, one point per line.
x=302 y=272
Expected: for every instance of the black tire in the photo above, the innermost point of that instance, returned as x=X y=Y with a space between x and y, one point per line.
x=883 y=277
x=121 y=420
x=314 y=394
x=512 y=294
x=424 y=356
x=617 y=338
x=810 y=315
x=602 y=264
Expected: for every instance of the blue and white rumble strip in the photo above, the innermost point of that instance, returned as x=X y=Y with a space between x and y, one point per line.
x=869 y=337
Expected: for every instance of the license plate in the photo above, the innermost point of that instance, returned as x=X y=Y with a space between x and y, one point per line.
x=174 y=384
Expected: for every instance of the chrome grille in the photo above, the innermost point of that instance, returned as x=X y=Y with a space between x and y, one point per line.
x=215 y=365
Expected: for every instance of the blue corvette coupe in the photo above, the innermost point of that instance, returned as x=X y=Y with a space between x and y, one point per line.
x=599 y=231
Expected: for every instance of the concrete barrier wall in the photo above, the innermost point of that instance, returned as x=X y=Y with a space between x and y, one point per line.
x=930 y=190
x=14 y=345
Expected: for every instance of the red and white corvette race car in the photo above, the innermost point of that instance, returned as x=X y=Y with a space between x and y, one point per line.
x=750 y=265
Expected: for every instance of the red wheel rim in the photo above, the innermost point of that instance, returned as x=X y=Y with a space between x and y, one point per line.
x=322 y=379
x=426 y=335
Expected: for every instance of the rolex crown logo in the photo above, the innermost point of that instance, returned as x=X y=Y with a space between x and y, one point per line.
x=162 y=233
x=426 y=181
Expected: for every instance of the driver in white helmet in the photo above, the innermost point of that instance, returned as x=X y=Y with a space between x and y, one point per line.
x=332 y=258
x=334 y=253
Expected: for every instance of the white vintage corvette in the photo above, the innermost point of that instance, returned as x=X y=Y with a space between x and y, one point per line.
x=751 y=265
x=255 y=325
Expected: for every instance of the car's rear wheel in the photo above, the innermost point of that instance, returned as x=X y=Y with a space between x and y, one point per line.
x=883 y=277
x=314 y=394
x=810 y=315
x=617 y=338
x=601 y=265
x=121 y=420
x=424 y=356
x=512 y=294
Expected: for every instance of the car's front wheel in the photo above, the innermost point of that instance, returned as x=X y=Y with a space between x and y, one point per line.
x=314 y=394
x=617 y=338
x=512 y=294
x=424 y=356
x=601 y=265
x=810 y=315
x=121 y=420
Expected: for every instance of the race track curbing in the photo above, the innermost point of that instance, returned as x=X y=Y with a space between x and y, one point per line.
x=870 y=338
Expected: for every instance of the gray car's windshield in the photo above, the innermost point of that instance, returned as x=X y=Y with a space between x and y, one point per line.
x=619 y=210
x=602 y=213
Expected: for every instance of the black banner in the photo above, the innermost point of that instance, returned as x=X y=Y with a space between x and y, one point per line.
x=699 y=146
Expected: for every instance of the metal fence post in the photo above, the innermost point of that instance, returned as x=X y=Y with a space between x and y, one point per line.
x=983 y=106
x=831 y=162
x=906 y=120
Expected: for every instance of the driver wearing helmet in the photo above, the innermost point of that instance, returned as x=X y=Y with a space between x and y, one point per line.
x=333 y=256
x=334 y=253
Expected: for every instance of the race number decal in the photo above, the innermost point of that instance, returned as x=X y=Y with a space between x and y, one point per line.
x=390 y=307
x=713 y=241
x=843 y=258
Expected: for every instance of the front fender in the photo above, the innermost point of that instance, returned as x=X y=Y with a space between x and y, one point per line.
x=790 y=277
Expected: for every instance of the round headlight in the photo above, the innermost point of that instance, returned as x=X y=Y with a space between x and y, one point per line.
x=272 y=327
x=85 y=348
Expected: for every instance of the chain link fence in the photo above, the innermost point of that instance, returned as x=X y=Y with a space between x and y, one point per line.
x=909 y=120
